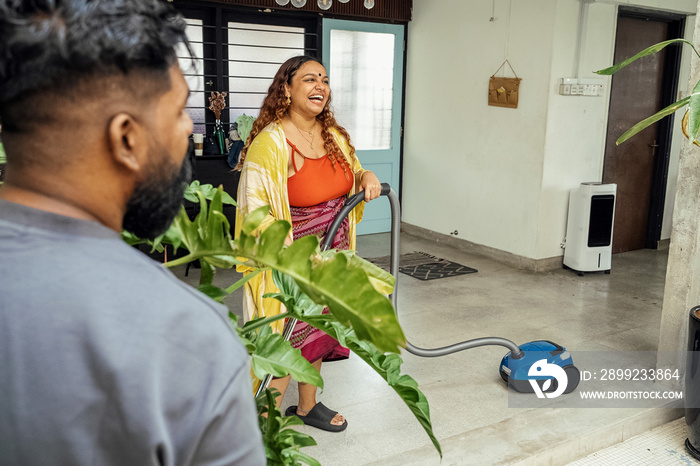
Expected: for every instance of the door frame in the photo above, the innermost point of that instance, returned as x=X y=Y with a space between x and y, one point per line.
x=665 y=136
x=397 y=141
x=669 y=92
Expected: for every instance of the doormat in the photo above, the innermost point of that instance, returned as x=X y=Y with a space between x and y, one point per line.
x=423 y=266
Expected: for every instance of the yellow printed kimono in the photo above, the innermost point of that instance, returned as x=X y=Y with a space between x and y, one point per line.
x=264 y=182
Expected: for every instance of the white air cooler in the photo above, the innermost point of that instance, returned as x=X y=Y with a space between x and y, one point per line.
x=589 y=228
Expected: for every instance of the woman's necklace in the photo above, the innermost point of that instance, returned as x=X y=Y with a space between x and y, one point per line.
x=310 y=133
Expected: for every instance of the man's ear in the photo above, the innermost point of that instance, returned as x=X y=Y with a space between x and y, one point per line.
x=127 y=141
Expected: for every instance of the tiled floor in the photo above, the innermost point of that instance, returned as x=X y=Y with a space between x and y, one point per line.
x=468 y=400
x=662 y=446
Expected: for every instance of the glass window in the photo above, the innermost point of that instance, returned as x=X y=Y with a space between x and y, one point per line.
x=361 y=75
x=255 y=52
x=237 y=51
x=193 y=69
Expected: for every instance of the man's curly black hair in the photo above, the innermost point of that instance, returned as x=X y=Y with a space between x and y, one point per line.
x=61 y=47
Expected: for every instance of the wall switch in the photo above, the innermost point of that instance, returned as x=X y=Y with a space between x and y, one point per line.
x=592 y=87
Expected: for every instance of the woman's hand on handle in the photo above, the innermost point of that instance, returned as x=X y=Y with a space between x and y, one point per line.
x=369 y=183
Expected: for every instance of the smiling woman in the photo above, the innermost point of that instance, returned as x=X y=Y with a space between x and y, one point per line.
x=300 y=162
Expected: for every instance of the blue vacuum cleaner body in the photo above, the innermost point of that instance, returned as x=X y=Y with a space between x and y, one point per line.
x=542 y=362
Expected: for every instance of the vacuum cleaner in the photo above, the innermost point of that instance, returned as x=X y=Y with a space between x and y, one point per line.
x=533 y=367
x=520 y=373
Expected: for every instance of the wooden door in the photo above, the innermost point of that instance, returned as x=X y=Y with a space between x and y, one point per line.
x=636 y=93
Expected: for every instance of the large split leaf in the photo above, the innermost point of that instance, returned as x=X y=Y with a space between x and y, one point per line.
x=328 y=280
x=214 y=292
x=173 y=235
x=282 y=444
x=208 y=237
x=693 y=99
x=348 y=294
x=694 y=114
x=293 y=298
x=208 y=191
x=388 y=366
x=647 y=51
x=381 y=280
x=273 y=355
x=652 y=119
x=253 y=220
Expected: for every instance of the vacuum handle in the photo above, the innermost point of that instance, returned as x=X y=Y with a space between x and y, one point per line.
x=386 y=189
x=350 y=204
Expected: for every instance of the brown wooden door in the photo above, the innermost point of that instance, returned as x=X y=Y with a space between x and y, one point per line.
x=636 y=93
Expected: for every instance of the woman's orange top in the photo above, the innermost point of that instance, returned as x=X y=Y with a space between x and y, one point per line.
x=316 y=181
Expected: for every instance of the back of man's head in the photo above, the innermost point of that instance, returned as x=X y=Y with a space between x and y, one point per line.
x=68 y=48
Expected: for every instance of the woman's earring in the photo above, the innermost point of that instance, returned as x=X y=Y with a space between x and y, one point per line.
x=289 y=101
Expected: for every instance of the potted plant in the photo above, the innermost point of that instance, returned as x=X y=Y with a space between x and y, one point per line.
x=361 y=317
x=691 y=129
x=691 y=120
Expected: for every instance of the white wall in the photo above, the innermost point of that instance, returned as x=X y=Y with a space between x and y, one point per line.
x=469 y=166
x=501 y=177
x=576 y=125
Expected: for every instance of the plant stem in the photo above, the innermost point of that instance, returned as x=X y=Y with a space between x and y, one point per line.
x=264 y=322
x=199 y=254
x=243 y=280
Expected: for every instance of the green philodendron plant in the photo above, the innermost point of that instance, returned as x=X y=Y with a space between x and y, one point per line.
x=361 y=318
x=691 y=121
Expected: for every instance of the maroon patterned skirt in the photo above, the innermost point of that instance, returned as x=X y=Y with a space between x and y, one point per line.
x=315 y=344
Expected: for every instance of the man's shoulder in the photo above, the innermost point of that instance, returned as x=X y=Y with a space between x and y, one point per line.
x=107 y=280
x=151 y=284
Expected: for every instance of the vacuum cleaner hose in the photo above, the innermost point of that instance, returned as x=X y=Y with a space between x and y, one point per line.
x=350 y=203
x=515 y=351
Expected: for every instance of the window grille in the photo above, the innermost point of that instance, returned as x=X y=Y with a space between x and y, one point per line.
x=238 y=54
x=255 y=53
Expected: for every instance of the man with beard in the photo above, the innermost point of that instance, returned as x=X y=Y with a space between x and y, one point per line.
x=105 y=357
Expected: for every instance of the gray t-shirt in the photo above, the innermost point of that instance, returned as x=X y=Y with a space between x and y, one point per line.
x=107 y=359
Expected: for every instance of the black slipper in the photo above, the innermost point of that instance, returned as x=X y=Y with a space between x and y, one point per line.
x=319 y=417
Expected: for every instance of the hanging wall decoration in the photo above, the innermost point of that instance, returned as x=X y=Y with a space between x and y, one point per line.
x=216 y=105
x=503 y=92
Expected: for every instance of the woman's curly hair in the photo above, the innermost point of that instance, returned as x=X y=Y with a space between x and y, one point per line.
x=274 y=108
